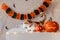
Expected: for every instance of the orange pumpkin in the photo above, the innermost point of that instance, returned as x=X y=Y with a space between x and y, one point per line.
x=38 y=28
x=51 y=26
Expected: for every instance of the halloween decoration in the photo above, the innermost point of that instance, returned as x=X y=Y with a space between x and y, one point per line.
x=30 y=15
x=51 y=26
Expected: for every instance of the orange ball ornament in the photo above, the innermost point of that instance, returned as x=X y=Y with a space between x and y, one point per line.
x=38 y=28
x=51 y=26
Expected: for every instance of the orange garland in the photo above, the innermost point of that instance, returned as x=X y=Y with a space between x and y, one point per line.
x=40 y=9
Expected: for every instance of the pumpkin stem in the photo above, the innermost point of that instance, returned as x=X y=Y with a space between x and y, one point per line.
x=50 y=19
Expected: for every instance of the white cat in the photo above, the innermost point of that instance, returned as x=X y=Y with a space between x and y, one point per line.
x=28 y=26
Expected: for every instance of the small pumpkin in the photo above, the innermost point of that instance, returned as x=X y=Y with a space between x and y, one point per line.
x=38 y=28
x=51 y=26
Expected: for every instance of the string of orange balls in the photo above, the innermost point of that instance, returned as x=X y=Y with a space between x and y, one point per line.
x=30 y=15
